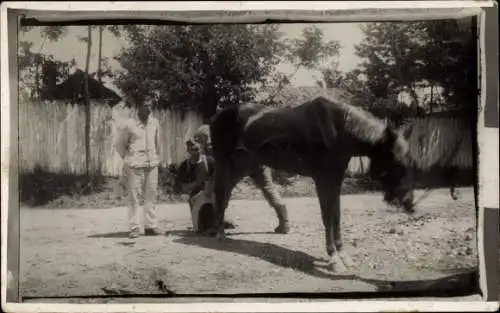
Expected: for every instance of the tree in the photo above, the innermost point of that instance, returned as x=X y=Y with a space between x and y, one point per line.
x=50 y=68
x=451 y=59
x=351 y=82
x=40 y=72
x=99 y=55
x=86 y=98
x=405 y=56
x=202 y=67
x=392 y=53
x=309 y=52
x=103 y=68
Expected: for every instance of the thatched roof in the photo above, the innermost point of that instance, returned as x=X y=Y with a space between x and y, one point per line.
x=294 y=96
x=72 y=89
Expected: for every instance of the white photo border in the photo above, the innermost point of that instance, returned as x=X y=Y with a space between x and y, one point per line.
x=246 y=11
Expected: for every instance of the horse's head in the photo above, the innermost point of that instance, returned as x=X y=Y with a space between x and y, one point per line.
x=391 y=165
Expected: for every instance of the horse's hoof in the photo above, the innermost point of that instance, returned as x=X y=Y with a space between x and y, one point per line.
x=346 y=259
x=220 y=235
x=208 y=233
x=229 y=225
x=337 y=265
x=282 y=229
x=212 y=231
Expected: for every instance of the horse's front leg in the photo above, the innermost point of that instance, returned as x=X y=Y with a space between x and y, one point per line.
x=225 y=179
x=452 y=176
x=328 y=191
x=221 y=198
x=337 y=230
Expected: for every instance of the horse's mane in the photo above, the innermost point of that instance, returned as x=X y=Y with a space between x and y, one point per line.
x=368 y=128
x=359 y=123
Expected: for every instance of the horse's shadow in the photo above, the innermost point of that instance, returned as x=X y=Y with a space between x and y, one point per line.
x=119 y=234
x=452 y=285
x=251 y=233
x=269 y=252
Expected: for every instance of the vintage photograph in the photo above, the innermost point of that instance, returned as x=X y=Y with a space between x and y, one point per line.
x=248 y=158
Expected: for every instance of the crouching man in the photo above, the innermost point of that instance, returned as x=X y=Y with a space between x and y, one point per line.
x=194 y=177
x=138 y=146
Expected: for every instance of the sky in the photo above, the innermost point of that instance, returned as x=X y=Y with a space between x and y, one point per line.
x=347 y=34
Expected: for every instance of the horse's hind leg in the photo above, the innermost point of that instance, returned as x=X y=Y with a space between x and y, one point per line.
x=263 y=180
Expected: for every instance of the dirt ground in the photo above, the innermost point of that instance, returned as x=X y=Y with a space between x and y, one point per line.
x=75 y=252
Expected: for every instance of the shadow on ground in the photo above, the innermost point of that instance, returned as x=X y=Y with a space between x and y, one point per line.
x=40 y=187
x=120 y=234
x=461 y=284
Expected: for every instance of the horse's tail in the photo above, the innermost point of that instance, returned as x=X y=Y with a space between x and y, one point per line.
x=225 y=129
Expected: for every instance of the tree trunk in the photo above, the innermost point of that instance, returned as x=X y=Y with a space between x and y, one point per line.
x=431 y=103
x=37 y=78
x=361 y=165
x=414 y=97
x=99 y=56
x=86 y=101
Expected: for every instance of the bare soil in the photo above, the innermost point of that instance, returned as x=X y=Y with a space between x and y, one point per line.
x=67 y=252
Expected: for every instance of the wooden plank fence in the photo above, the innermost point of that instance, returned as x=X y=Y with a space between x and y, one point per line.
x=51 y=135
x=435 y=141
x=441 y=141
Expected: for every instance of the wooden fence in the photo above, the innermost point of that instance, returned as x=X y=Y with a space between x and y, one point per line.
x=52 y=136
x=435 y=141
x=441 y=141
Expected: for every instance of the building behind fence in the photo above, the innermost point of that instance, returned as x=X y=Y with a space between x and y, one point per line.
x=52 y=136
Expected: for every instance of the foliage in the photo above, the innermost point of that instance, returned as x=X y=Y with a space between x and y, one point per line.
x=202 y=67
x=405 y=56
x=311 y=48
x=40 y=72
x=452 y=61
x=391 y=53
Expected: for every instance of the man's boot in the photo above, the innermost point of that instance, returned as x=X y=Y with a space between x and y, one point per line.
x=284 y=225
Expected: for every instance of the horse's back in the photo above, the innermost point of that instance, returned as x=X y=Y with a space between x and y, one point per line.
x=312 y=124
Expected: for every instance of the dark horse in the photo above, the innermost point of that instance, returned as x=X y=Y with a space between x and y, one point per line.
x=316 y=139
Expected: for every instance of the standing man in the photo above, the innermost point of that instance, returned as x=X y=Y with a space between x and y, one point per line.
x=138 y=146
x=262 y=180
